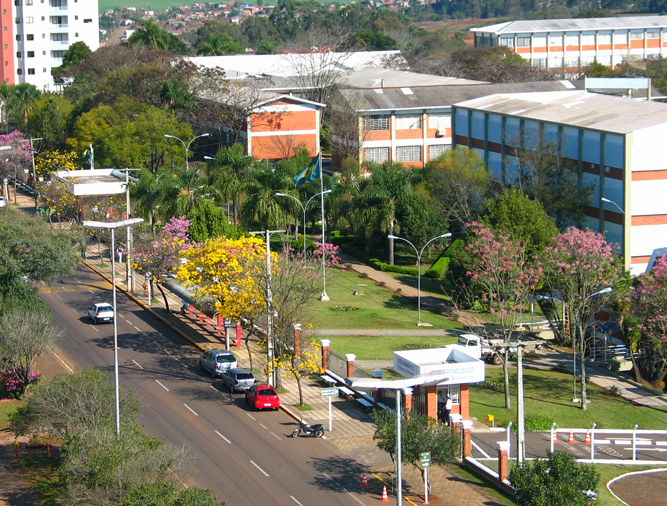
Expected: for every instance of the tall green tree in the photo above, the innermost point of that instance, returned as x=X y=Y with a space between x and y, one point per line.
x=49 y=120
x=149 y=34
x=218 y=45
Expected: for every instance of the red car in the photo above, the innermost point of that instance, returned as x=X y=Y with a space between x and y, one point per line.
x=262 y=396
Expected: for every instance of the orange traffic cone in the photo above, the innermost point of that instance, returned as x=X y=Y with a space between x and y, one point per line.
x=555 y=438
x=385 y=497
x=587 y=439
x=570 y=438
x=364 y=481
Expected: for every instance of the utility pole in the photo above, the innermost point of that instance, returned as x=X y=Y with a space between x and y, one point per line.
x=34 y=175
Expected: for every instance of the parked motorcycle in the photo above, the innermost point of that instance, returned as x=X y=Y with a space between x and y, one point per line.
x=316 y=430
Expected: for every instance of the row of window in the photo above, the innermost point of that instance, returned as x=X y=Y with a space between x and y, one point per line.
x=405 y=122
x=571 y=61
x=404 y=153
x=584 y=39
x=55 y=37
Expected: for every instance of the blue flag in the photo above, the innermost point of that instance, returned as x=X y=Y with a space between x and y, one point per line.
x=310 y=173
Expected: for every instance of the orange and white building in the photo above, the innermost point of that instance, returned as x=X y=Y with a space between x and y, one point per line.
x=616 y=143
x=568 y=45
x=36 y=34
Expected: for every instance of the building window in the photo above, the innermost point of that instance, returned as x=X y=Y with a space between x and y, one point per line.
x=454 y=391
x=377 y=155
x=539 y=63
x=572 y=61
x=411 y=122
x=555 y=62
x=28 y=2
x=88 y=20
x=31 y=54
x=523 y=41
x=652 y=34
x=437 y=150
x=29 y=20
x=18 y=21
x=439 y=121
x=604 y=38
x=507 y=41
x=604 y=60
x=636 y=35
x=30 y=36
x=19 y=71
x=31 y=72
x=18 y=38
x=621 y=38
x=18 y=54
x=409 y=154
x=572 y=40
x=588 y=39
x=376 y=122
x=539 y=40
x=555 y=40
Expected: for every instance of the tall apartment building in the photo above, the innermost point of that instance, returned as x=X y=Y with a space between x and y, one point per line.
x=568 y=45
x=37 y=33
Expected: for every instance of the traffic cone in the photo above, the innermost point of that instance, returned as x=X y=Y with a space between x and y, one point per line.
x=570 y=438
x=587 y=439
x=385 y=497
x=555 y=438
x=364 y=481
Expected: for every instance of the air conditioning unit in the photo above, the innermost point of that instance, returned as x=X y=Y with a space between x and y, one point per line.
x=440 y=132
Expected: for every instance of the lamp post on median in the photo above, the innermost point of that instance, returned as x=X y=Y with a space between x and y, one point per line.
x=186 y=146
x=419 y=269
x=112 y=226
x=303 y=208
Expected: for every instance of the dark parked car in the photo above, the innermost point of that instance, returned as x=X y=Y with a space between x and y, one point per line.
x=217 y=361
x=237 y=380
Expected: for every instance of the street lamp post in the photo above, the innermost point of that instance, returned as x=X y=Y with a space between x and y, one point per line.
x=303 y=208
x=112 y=226
x=419 y=269
x=186 y=146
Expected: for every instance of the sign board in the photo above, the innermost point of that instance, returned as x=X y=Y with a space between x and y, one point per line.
x=228 y=323
x=330 y=392
x=425 y=459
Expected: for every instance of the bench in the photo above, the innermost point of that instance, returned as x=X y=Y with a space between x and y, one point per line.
x=364 y=402
x=346 y=392
x=328 y=379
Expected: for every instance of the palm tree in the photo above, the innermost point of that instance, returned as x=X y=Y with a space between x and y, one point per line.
x=187 y=188
x=218 y=45
x=149 y=193
x=261 y=207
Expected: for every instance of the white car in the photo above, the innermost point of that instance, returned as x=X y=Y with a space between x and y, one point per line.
x=2 y=202
x=101 y=312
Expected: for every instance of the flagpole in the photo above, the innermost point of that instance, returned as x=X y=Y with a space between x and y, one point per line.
x=324 y=297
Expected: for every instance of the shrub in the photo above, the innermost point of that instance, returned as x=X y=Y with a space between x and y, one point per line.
x=538 y=422
x=438 y=269
x=14 y=385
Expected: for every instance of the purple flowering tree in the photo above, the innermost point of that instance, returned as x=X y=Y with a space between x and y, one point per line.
x=651 y=302
x=581 y=268
x=159 y=258
x=499 y=271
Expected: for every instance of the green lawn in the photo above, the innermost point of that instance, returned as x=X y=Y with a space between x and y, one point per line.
x=549 y=394
x=375 y=306
x=382 y=347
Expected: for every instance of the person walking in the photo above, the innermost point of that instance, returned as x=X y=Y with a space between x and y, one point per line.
x=448 y=410
x=442 y=402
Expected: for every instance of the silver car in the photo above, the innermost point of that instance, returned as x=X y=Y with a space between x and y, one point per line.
x=217 y=361
x=101 y=312
x=237 y=380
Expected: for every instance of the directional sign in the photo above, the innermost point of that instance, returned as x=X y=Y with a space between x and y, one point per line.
x=425 y=459
x=228 y=323
x=330 y=392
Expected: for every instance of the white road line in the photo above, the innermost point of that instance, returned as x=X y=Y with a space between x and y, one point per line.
x=223 y=437
x=192 y=410
x=74 y=311
x=137 y=364
x=251 y=416
x=166 y=351
x=260 y=469
x=137 y=328
x=63 y=363
x=294 y=499
x=158 y=382
x=343 y=489
x=276 y=436
x=94 y=327
x=58 y=295
x=263 y=426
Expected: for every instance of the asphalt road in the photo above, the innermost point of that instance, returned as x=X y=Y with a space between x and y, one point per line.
x=243 y=456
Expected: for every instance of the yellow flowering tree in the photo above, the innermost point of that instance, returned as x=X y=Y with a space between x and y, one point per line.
x=297 y=356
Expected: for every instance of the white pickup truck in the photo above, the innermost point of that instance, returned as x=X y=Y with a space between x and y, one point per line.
x=489 y=350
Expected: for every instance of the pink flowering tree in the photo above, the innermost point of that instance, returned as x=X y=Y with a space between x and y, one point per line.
x=160 y=257
x=15 y=160
x=580 y=272
x=650 y=308
x=499 y=272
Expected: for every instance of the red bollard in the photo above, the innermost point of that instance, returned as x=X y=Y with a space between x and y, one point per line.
x=238 y=333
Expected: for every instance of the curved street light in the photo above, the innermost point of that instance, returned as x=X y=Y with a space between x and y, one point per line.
x=303 y=208
x=186 y=146
x=419 y=269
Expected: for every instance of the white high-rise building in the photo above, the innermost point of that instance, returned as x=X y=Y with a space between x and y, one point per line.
x=37 y=33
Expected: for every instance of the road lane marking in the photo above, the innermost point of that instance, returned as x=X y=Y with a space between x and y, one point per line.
x=263 y=426
x=63 y=363
x=137 y=364
x=158 y=382
x=74 y=311
x=137 y=328
x=58 y=295
x=294 y=499
x=251 y=416
x=343 y=489
x=192 y=410
x=260 y=469
x=276 y=436
x=223 y=437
